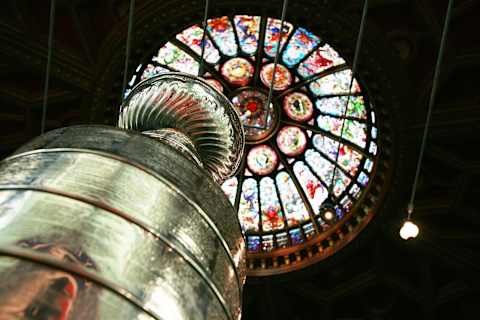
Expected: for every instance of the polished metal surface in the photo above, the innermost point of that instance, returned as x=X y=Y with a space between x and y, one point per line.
x=190 y=105
x=98 y=222
x=133 y=224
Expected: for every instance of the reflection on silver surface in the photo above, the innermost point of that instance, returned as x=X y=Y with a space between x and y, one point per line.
x=101 y=223
x=190 y=105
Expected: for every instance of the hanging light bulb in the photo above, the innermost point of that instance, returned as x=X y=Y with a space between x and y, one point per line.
x=327 y=211
x=409 y=230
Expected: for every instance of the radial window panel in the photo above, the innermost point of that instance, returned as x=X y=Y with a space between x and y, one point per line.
x=221 y=30
x=349 y=159
x=335 y=83
x=353 y=131
x=175 y=58
x=248 y=31
x=295 y=210
x=272 y=213
x=326 y=145
x=301 y=43
x=192 y=37
x=320 y=60
x=248 y=210
x=336 y=106
x=273 y=34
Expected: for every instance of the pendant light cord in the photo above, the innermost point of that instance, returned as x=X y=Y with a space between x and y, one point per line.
x=431 y=102
x=49 y=61
x=204 y=35
x=354 y=70
x=277 y=54
x=127 y=49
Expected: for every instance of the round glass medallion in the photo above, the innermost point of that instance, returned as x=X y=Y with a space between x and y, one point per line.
x=262 y=160
x=258 y=120
x=283 y=78
x=298 y=106
x=291 y=141
x=237 y=71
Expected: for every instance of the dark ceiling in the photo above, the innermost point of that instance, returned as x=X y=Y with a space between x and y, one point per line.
x=377 y=276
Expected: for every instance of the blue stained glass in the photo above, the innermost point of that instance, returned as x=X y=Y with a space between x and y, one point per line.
x=363 y=179
x=248 y=30
x=301 y=43
x=253 y=243
x=296 y=236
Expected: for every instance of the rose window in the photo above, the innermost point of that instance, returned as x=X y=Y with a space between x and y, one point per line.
x=310 y=153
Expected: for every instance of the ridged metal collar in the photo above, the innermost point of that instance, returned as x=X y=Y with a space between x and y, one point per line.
x=190 y=105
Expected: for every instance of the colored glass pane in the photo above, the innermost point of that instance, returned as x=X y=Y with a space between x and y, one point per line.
x=295 y=210
x=368 y=165
x=355 y=190
x=296 y=236
x=272 y=35
x=373 y=148
x=321 y=59
x=291 y=140
x=192 y=37
x=363 y=179
x=315 y=191
x=248 y=30
x=262 y=160
x=229 y=187
x=335 y=83
x=248 y=209
x=221 y=31
x=282 y=240
x=237 y=71
x=327 y=146
x=353 y=131
x=298 y=106
x=272 y=214
x=283 y=77
x=267 y=243
x=253 y=243
x=151 y=70
x=324 y=170
x=301 y=43
x=176 y=59
x=336 y=106
x=309 y=230
x=349 y=159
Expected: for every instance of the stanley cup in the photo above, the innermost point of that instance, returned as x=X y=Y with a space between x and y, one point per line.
x=98 y=222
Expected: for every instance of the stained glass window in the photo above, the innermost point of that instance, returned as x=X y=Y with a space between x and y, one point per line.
x=316 y=141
